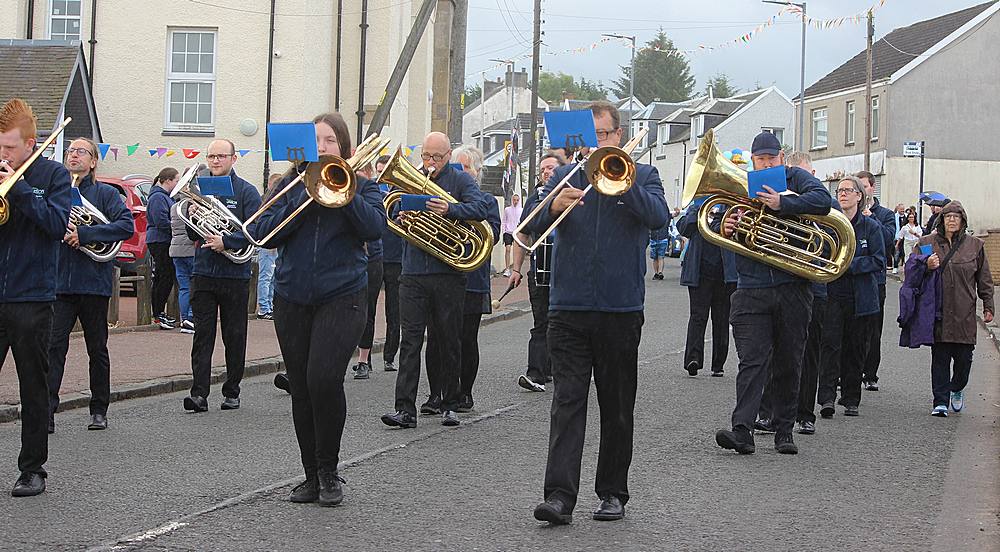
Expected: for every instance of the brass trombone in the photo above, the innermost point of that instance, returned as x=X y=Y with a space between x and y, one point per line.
x=610 y=170
x=814 y=247
x=461 y=244
x=330 y=181
x=7 y=184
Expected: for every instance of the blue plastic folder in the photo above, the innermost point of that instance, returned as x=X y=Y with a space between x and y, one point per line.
x=927 y=249
x=295 y=142
x=218 y=186
x=572 y=129
x=414 y=202
x=77 y=200
x=773 y=177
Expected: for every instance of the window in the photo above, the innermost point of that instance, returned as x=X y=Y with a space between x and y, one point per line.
x=850 y=123
x=778 y=133
x=699 y=125
x=819 y=131
x=191 y=79
x=874 y=118
x=64 y=19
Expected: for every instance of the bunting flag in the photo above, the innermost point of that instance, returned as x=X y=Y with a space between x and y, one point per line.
x=152 y=152
x=104 y=150
x=160 y=152
x=243 y=152
x=114 y=152
x=190 y=153
x=170 y=153
x=130 y=150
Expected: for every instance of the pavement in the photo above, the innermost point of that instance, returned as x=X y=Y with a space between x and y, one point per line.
x=894 y=478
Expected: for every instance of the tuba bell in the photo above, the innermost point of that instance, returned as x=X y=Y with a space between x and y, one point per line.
x=89 y=215
x=461 y=244
x=817 y=248
x=208 y=216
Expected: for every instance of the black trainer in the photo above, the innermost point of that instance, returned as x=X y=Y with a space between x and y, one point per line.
x=400 y=419
x=784 y=444
x=331 y=491
x=554 y=511
x=764 y=425
x=739 y=440
x=692 y=368
x=466 y=404
x=196 y=404
x=828 y=410
x=281 y=382
x=307 y=491
x=432 y=406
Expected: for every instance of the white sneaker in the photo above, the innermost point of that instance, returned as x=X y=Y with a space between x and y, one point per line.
x=187 y=327
x=529 y=384
x=940 y=411
x=895 y=271
x=506 y=272
x=957 y=400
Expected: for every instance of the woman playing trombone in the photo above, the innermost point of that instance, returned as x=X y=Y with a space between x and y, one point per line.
x=320 y=304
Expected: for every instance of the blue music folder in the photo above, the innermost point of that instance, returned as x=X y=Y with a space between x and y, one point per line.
x=773 y=177
x=218 y=186
x=295 y=142
x=77 y=200
x=927 y=249
x=570 y=129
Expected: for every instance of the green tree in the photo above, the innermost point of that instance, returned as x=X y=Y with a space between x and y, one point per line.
x=721 y=86
x=662 y=73
x=472 y=93
x=553 y=86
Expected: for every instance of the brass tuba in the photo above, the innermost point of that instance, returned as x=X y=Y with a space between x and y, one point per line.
x=329 y=181
x=208 y=216
x=89 y=215
x=461 y=244
x=7 y=184
x=817 y=248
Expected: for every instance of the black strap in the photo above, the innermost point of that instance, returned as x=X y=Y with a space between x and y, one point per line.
x=954 y=248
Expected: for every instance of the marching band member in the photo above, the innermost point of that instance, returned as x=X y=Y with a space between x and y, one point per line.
x=595 y=323
x=220 y=289
x=320 y=308
x=770 y=313
x=432 y=294
x=38 y=205
x=84 y=287
x=887 y=219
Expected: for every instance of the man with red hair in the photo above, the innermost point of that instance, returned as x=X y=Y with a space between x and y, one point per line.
x=38 y=206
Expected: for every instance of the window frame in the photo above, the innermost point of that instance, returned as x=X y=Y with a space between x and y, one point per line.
x=170 y=78
x=778 y=132
x=876 y=108
x=850 y=122
x=813 y=135
x=50 y=17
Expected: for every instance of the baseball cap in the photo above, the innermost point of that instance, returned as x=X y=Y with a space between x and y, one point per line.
x=765 y=143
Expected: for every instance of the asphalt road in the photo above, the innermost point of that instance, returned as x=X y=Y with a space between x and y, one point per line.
x=162 y=479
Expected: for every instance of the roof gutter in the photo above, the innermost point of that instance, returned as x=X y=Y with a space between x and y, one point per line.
x=92 y=41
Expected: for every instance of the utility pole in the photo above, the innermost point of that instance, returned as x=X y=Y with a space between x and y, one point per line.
x=459 y=31
x=631 y=82
x=800 y=135
x=441 y=80
x=530 y=146
x=482 y=117
x=868 y=94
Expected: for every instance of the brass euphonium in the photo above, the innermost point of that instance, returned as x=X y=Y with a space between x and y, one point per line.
x=817 y=248
x=88 y=215
x=330 y=181
x=208 y=216
x=461 y=244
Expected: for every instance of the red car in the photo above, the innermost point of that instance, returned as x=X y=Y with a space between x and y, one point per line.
x=134 y=189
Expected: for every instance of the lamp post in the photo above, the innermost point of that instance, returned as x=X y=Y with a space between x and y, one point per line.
x=631 y=79
x=802 y=72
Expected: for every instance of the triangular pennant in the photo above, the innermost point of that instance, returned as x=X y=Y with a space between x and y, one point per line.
x=170 y=153
x=153 y=152
x=160 y=152
x=104 y=150
x=191 y=153
x=244 y=152
x=130 y=150
x=114 y=151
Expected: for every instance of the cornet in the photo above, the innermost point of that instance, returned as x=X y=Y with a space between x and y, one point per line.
x=7 y=184
x=208 y=216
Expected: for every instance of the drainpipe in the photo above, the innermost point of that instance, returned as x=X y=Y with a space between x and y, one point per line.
x=93 y=39
x=267 y=101
x=31 y=19
x=336 y=71
x=361 y=70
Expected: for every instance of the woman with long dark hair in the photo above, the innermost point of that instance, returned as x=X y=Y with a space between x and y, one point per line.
x=320 y=308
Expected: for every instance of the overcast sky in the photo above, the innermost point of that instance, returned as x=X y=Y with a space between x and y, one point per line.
x=502 y=29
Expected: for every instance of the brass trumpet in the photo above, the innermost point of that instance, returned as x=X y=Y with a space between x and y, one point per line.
x=610 y=170
x=461 y=244
x=817 y=248
x=330 y=181
x=7 y=184
x=88 y=215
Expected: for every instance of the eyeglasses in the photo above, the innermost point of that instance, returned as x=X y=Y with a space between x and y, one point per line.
x=79 y=151
x=603 y=134
x=845 y=191
x=434 y=156
x=218 y=156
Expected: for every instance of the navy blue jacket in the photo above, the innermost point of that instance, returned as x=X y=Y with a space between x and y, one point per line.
x=322 y=250
x=158 y=215
x=392 y=247
x=245 y=202
x=374 y=248
x=39 y=210
x=78 y=273
x=473 y=204
x=818 y=289
x=598 y=259
x=869 y=258
x=687 y=225
x=812 y=199
x=661 y=233
x=887 y=219
x=479 y=279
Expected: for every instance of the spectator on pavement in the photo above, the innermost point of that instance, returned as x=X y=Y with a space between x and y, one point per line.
x=910 y=234
x=659 y=247
x=182 y=255
x=965 y=274
x=511 y=218
x=158 y=236
x=265 y=269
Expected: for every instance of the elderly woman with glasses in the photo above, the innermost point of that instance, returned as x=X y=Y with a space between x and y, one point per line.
x=851 y=298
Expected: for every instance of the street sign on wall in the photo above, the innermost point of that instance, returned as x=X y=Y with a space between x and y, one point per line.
x=912 y=149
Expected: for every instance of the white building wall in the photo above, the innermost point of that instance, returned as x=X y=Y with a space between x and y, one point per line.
x=770 y=110
x=975 y=183
x=672 y=166
x=497 y=109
